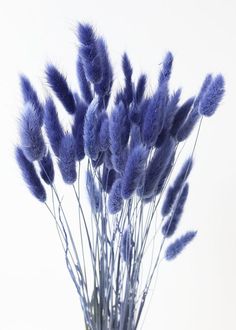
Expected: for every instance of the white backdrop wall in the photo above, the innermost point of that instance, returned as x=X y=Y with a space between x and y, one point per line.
x=198 y=290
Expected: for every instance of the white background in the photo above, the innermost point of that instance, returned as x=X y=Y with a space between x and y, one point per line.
x=198 y=290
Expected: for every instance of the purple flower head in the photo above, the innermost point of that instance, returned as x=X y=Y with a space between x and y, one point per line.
x=67 y=159
x=78 y=127
x=93 y=193
x=171 y=224
x=206 y=83
x=30 y=96
x=157 y=167
x=126 y=66
x=84 y=84
x=60 y=87
x=81 y=108
x=161 y=182
x=173 y=191
x=134 y=169
x=140 y=89
x=165 y=73
x=212 y=97
x=126 y=245
x=53 y=127
x=181 y=115
x=115 y=200
x=103 y=88
x=188 y=126
x=189 y=119
x=86 y=34
x=128 y=71
x=103 y=134
x=31 y=137
x=119 y=135
x=174 y=249
x=30 y=176
x=153 y=117
x=169 y=117
x=90 y=130
x=89 y=53
x=47 y=169
x=183 y=174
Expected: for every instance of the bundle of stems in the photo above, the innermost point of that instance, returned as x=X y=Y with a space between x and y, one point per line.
x=126 y=147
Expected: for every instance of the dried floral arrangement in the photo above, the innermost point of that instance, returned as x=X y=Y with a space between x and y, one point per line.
x=126 y=147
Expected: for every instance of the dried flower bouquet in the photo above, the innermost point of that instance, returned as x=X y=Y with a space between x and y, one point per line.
x=126 y=145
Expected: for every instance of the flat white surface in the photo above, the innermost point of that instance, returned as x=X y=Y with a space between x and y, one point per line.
x=198 y=290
